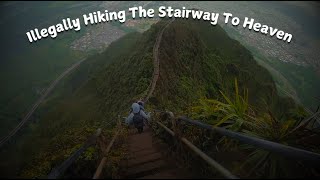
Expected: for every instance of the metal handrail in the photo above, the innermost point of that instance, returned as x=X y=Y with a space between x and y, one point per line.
x=58 y=171
x=261 y=143
x=226 y=173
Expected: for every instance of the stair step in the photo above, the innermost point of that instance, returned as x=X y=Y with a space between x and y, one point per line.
x=145 y=169
x=144 y=152
x=134 y=131
x=155 y=145
x=167 y=174
x=140 y=141
x=144 y=159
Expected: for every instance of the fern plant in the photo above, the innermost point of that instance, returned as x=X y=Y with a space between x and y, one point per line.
x=237 y=115
x=231 y=114
x=264 y=162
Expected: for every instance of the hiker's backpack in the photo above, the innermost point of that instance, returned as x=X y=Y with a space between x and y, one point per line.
x=137 y=120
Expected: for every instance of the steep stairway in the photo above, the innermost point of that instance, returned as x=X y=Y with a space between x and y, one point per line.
x=147 y=160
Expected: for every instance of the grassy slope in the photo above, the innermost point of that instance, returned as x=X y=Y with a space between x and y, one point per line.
x=30 y=67
x=198 y=60
x=116 y=77
x=291 y=76
x=33 y=71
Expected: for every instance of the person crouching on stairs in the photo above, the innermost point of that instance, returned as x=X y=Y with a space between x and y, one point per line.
x=137 y=116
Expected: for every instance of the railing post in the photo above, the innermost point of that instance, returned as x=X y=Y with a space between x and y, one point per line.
x=99 y=170
x=119 y=120
x=59 y=170
x=173 y=122
x=152 y=120
x=176 y=125
x=177 y=128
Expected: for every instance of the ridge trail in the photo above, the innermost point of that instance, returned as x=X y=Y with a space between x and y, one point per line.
x=156 y=63
x=146 y=155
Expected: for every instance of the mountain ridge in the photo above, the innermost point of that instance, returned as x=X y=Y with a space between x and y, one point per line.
x=196 y=60
x=207 y=58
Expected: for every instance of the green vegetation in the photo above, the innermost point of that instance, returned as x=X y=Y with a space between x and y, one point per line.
x=34 y=71
x=236 y=111
x=304 y=79
x=301 y=82
x=27 y=69
x=198 y=60
x=104 y=86
x=198 y=67
x=260 y=163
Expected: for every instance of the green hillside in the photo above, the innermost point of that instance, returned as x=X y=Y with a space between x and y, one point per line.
x=212 y=78
x=197 y=61
x=92 y=97
x=26 y=68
